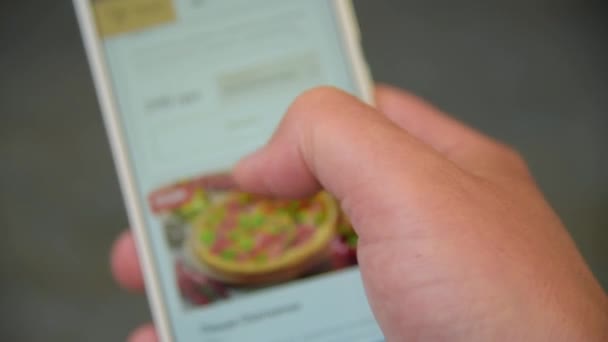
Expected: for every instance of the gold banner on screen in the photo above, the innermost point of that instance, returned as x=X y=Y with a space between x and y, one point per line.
x=115 y=17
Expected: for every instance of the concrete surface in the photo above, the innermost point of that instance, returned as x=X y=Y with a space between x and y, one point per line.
x=531 y=72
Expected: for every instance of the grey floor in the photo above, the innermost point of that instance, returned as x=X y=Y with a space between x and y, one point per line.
x=531 y=72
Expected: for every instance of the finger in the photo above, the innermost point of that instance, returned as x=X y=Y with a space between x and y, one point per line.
x=125 y=263
x=145 y=333
x=332 y=140
x=469 y=148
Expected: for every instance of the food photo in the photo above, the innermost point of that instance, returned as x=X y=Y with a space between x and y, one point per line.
x=227 y=243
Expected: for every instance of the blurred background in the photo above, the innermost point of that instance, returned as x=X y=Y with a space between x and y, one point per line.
x=530 y=72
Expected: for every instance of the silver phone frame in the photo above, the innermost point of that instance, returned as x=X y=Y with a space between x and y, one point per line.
x=134 y=204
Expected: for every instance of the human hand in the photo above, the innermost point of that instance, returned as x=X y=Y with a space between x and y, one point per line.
x=456 y=241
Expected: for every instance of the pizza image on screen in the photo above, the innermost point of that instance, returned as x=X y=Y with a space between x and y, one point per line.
x=227 y=242
x=244 y=239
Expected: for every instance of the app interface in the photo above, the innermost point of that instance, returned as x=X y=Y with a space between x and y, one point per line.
x=198 y=85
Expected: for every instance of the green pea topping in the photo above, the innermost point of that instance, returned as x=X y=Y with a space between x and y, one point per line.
x=352 y=240
x=320 y=218
x=294 y=205
x=246 y=244
x=208 y=237
x=193 y=208
x=251 y=221
x=228 y=254
x=300 y=216
x=257 y=220
x=244 y=221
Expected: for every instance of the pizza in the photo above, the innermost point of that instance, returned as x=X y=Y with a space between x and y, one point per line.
x=244 y=239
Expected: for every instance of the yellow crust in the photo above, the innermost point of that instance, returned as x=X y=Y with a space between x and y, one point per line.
x=291 y=260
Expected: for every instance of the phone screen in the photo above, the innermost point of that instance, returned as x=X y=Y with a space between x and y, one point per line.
x=199 y=84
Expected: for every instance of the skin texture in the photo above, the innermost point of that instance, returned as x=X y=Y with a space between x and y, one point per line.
x=456 y=241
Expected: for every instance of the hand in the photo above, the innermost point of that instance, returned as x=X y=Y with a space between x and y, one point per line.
x=456 y=241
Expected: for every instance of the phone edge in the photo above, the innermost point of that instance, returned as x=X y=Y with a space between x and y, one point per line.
x=106 y=99
x=352 y=40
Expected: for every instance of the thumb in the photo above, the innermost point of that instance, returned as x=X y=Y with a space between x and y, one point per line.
x=331 y=140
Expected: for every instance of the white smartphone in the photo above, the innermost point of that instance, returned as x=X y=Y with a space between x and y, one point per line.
x=187 y=88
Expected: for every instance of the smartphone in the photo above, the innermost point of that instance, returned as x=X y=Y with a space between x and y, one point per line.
x=189 y=87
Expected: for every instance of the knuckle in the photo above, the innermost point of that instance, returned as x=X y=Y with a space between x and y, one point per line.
x=514 y=160
x=315 y=102
x=311 y=110
x=514 y=156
